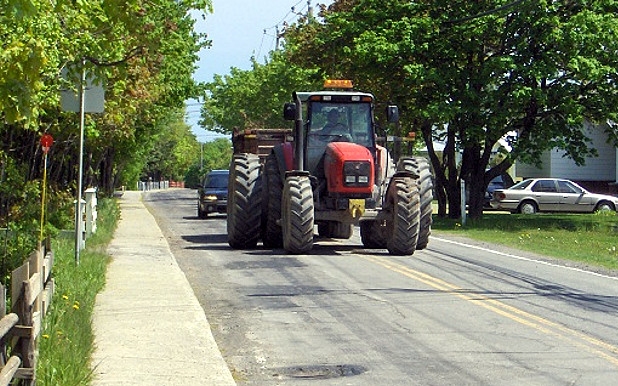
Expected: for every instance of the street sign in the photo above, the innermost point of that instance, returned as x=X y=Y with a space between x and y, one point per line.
x=46 y=142
x=94 y=95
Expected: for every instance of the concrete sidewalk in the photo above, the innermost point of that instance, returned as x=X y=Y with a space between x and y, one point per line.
x=149 y=327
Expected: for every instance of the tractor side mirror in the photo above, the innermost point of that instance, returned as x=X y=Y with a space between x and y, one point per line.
x=392 y=113
x=289 y=111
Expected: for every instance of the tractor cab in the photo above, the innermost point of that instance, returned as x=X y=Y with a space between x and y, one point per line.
x=332 y=122
x=338 y=133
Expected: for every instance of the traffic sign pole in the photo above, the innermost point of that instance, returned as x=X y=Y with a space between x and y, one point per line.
x=78 y=205
x=46 y=143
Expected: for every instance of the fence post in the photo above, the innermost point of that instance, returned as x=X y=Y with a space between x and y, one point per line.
x=27 y=283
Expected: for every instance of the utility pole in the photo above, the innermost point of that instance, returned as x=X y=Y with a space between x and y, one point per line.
x=309 y=12
x=278 y=36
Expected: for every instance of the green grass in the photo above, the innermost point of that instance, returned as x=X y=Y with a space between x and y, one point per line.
x=67 y=339
x=586 y=238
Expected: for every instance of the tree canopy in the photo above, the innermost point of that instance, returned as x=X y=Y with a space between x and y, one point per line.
x=255 y=97
x=473 y=73
x=144 y=52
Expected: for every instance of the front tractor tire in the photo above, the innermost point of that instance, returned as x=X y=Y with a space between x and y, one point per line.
x=404 y=218
x=297 y=215
x=244 y=207
x=420 y=167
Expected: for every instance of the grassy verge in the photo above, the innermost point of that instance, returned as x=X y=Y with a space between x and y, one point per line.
x=585 y=238
x=67 y=339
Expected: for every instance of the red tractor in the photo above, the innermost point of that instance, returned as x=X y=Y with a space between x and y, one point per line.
x=333 y=174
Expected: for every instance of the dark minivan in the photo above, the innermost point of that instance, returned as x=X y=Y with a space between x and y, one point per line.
x=213 y=193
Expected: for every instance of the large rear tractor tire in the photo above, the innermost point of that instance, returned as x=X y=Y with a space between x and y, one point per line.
x=420 y=167
x=244 y=206
x=404 y=221
x=271 y=203
x=297 y=215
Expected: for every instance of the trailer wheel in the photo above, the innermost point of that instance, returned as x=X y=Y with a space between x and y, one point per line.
x=420 y=167
x=271 y=204
x=244 y=205
x=373 y=234
x=297 y=215
x=404 y=221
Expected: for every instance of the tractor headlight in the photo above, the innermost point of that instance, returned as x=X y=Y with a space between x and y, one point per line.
x=356 y=173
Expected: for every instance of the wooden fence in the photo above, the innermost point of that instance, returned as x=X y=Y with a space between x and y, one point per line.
x=32 y=287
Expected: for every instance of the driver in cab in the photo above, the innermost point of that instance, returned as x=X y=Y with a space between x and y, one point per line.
x=335 y=128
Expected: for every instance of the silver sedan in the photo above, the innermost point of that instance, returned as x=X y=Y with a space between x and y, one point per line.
x=550 y=195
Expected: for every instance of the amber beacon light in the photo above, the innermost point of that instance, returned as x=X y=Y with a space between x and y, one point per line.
x=338 y=83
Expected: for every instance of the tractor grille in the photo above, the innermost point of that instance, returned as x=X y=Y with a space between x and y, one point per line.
x=356 y=173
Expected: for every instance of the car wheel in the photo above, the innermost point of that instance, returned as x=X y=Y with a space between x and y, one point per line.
x=604 y=206
x=527 y=207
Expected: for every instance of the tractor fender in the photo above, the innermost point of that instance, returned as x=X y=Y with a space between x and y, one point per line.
x=285 y=157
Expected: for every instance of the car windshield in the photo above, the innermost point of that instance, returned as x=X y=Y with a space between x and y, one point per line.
x=521 y=185
x=216 y=181
x=496 y=181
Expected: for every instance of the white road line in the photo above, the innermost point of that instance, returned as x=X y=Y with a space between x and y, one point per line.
x=521 y=257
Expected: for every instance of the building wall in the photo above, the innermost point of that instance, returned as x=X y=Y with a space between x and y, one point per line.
x=601 y=169
x=524 y=171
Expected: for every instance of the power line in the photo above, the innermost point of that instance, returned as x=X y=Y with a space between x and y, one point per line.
x=488 y=12
x=292 y=10
x=286 y=20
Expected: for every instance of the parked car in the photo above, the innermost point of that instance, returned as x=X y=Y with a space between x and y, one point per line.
x=213 y=193
x=550 y=195
x=495 y=184
x=498 y=182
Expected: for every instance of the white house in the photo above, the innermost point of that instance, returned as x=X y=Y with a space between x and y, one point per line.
x=599 y=174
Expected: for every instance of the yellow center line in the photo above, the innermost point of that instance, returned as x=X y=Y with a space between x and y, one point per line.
x=536 y=322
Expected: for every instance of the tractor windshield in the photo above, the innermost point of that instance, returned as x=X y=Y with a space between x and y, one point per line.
x=337 y=122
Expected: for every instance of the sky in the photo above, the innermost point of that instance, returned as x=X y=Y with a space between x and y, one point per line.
x=239 y=30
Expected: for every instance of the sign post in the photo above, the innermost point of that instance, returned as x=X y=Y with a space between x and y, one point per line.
x=91 y=100
x=46 y=143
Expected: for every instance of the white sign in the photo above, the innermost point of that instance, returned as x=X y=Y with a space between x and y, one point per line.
x=94 y=96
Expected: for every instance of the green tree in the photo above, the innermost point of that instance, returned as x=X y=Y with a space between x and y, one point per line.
x=213 y=155
x=472 y=73
x=216 y=154
x=254 y=98
x=145 y=52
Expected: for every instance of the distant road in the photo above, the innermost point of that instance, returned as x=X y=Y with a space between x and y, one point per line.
x=453 y=314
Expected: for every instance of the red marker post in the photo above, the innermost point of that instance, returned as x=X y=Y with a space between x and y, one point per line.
x=46 y=143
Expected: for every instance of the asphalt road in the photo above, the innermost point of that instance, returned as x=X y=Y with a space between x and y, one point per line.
x=454 y=313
